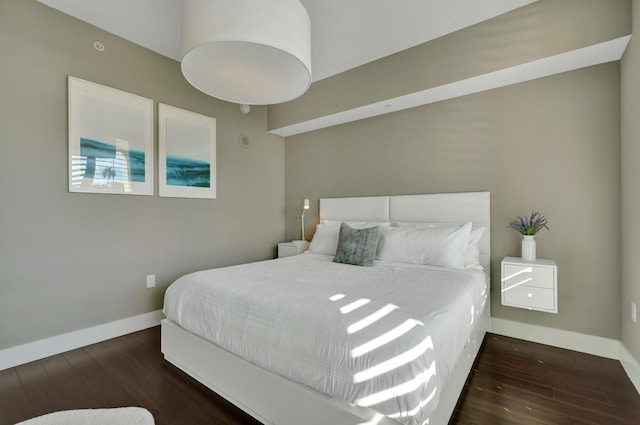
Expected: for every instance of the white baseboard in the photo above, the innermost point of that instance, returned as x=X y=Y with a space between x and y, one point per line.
x=40 y=349
x=590 y=344
x=630 y=365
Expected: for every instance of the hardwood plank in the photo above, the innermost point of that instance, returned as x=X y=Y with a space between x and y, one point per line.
x=496 y=382
x=107 y=391
x=72 y=389
x=12 y=398
x=605 y=408
x=39 y=391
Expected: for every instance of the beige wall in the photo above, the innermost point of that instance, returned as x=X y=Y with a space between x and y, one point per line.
x=551 y=144
x=630 y=71
x=70 y=261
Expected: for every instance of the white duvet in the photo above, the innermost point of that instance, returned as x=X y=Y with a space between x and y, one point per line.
x=384 y=337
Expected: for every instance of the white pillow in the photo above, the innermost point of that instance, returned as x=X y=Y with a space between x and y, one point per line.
x=325 y=240
x=436 y=246
x=472 y=258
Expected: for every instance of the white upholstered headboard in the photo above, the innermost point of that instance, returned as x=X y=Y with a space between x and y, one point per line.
x=430 y=208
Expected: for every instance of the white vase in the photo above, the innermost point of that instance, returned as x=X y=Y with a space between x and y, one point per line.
x=528 y=248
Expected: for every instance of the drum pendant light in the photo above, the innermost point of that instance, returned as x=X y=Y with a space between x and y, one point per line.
x=254 y=52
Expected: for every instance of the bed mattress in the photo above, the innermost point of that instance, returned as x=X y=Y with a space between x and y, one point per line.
x=383 y=337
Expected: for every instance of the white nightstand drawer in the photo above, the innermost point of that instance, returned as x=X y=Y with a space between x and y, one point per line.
x=287 y=249
x=526 y=274
x=530 y=297
x=530 y=284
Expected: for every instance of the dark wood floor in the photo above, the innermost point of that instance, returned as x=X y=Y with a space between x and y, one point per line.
x=519 y=382
x=513 y=382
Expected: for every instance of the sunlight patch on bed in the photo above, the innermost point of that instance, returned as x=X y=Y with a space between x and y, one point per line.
x=354 y=305
x=416 y=409
x=385 y=338
x=404 y=388
x=371 y=319
x=484 y=297
x=395 y=362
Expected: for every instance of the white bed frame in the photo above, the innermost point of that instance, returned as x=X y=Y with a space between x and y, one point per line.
x=274 y=400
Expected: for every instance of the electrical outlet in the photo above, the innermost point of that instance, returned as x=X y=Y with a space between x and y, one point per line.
x=151 y=281
x=634 y=312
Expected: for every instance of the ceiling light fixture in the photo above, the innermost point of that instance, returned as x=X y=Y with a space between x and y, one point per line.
x=251 y=52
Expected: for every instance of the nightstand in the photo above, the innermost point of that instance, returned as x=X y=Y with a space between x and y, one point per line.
x=530 y=284
x=287 y=249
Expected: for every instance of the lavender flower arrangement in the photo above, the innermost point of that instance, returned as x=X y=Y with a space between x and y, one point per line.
x=529 y=226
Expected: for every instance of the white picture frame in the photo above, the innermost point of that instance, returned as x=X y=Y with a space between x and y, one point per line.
x=186 y=154
x=110 y=140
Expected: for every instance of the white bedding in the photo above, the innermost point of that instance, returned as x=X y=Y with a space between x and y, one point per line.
x=383 y=337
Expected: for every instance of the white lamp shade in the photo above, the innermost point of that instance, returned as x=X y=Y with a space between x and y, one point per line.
x=255 y=52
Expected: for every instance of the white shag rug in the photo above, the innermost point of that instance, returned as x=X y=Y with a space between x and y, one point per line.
x=115 y=416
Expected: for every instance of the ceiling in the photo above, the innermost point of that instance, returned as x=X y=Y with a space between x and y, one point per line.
x=344 y=33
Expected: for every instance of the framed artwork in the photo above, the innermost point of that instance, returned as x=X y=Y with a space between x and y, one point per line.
x=110 y=140
x=187 y=154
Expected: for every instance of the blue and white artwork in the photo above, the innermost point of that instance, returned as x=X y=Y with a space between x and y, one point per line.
x=187 y=153
x=188 y=172
x=107 y=164
x=110 y=140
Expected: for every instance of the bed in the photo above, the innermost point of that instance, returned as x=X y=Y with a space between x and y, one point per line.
x=320 y=366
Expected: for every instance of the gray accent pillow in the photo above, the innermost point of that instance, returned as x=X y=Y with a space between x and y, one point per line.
x=357 y=246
